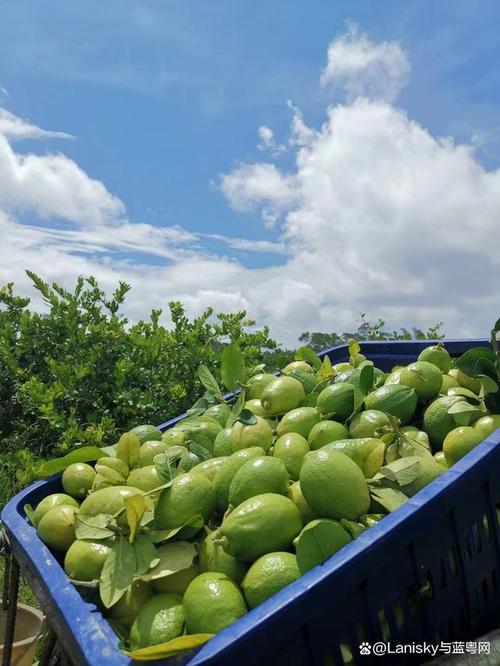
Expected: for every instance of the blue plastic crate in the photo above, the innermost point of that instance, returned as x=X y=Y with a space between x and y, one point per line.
x=432 y=568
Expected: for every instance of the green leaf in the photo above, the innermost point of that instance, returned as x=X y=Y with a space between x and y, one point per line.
x=236 y=409
x=163 y=465
x=110 y=450
x=354 y=348
x=463 y=413
x=247 y=417
x=389 y=498
x=128 y=449
x=135 y=507
x=83 y=454
x=326 y=371
x=174 y=453
x=232 y=367
x=94 y=528
x=158 y=536
x=145 y=555
x=170 y=648
x=366 y=377
x=354 y=529
x=257 y=369
x=402 y=471
x=209 y=381
x=200 y=451
x=28 y=510
x=118 y=572
x=307 y=354
x=467 y=393
x=199 y=407
x=175 y=556
x=467 y=363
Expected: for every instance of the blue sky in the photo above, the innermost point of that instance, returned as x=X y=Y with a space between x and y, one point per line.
x=162 y=98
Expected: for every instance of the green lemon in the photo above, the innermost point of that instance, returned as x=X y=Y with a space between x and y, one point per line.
x=147 y=432
x=303 y=366
x=449 y=382
x=188 y=496
x=295 y=494
x=151 y=449
x=127 y=607
x=338 y=400
x=366 y=423
x=267 y=576
x=464 y=380
x=177 y=582
x=49 y=502
x=333 y=485
x=160 y=620
x=85 y=560
x=174 y=436
x=223 y=444
x=395 y=399
x=211 y=603
x=291 y=449
x=219 y=412
x=257 y=476
x=440 y=459
x=57 y=527
x=260 y=525
x=325 y=432
x=188 y=461
x=145 y=478
x=438 y=356
x=319 y=540
x=281 y=395
x=437 y=422
x=226 y=472
x=258 y=434
x=77 y=480
x=111 y=501
x=209 y=467
x=212 y=557
x=113 y=469
x=430 y=469
x=257 y=384
x=367 y=453
x=488 y=424
x=460 y=441
x=424 y=377
x=255 y=406
x=300 y=420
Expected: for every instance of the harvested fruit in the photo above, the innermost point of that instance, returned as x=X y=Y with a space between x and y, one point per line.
x=281 y=395
x=211 y=603
x=159 y=620
x=291 y=449
x=77 y=480
x=258 y=476
x=268 y=575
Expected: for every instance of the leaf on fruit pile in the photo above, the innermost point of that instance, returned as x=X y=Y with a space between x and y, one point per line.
x=28 y=510
x=236 y=409
x=118 y=572
x=128 y=448
x=389 y=498
x=94 y=528
x=326 y=370
x=199 y=407
x=472 y=361
x=135 y=507
x=209 y=381
x=247 y=417
x=175 y=556
x=354 y=529
x=145 y=554
x=402 y=471
x=307 y=354
x=232 y=367
x=463 y=412
x=257 y=369
x=82 y=455
x=354 y=348
x=158 y=536
x=199 y=450
x=170 y=648
x=366 y=378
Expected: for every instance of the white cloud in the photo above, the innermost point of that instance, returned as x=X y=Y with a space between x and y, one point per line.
x=13 y=127
x=259 y=183
x=268 y=142
x=363 y=68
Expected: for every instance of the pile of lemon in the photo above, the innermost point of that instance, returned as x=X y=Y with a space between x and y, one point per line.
x=262 y=499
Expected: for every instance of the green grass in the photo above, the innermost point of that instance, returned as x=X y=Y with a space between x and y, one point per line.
x=26 y=595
